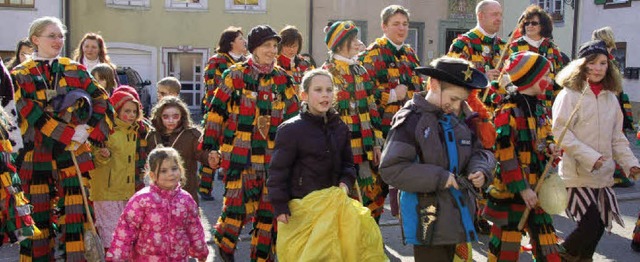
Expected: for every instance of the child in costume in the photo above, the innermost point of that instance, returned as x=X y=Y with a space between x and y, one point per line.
x=161 y=222
x=523 y=140
x=173 y=127
x=436 y=162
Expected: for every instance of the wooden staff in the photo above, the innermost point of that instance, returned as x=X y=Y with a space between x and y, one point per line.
x=525 y=215
x=503 y=53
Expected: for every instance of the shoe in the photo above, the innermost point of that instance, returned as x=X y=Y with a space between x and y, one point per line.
x=483 y=227
x=625 y=183
x=226 y=257
x=206 y=197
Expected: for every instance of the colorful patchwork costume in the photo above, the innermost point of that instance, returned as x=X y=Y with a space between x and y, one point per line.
x=388 y=67
x=47 y=171
x=245 y=112
x=523 y=136
x=216 y=65
x=295 y=67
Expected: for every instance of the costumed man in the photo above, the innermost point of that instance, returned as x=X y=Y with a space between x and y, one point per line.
x=289 y=57
x=438 y=164
x=482 y=47
x=253 y=99
x=230 y=50
x=523 y=143
x=390 y=63
x=15 y=211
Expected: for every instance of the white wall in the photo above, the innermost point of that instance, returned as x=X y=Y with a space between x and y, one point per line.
x=14 y=22
x=624 y=22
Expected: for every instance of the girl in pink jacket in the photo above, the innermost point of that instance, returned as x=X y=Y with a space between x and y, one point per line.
x=160 y=222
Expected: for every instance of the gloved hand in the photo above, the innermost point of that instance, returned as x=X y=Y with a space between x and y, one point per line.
x=81 y=134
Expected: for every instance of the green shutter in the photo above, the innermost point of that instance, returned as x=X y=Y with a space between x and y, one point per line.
x=600 y=2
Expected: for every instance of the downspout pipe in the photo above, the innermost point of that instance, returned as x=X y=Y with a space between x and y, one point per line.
x=311 y=28
x=574 y=39
x=67 y=22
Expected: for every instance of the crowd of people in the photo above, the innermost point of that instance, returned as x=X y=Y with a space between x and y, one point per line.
x=460 y=146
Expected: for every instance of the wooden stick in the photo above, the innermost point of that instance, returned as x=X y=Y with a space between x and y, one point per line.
x=503 y=53
x=358 y=191
x=525 y=215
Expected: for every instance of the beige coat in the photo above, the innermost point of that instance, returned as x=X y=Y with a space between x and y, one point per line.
x=595 y=131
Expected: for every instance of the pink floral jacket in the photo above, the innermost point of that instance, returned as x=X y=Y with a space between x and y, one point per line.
x=159 y=225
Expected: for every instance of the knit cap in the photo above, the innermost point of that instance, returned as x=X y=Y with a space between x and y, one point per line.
x=338 y=32
x=122 y=95
x=526 y=68
x=593 y=47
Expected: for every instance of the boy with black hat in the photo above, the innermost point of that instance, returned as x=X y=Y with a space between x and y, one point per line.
x=253 y=99
x=437 y=163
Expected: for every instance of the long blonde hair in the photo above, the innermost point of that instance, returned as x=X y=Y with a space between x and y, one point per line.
x=574 y=75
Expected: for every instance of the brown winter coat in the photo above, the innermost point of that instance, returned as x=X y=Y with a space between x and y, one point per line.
x=187 y=146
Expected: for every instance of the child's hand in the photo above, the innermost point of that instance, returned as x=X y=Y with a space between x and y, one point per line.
x=401 y=92
x=451 y=182
x=599 y=163
x=104 y=152
x=634 y=173
x=377 y=151
x=530 y=198
x=477 y=179
x=284 y=218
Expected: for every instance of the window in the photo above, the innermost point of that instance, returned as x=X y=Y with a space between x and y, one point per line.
x=128 y=3
x=186 y=4
x=610 y=4
x=254 y=6
x=17 y=3
x=620 y=55
x=187 y=65
x=555 y=8
x=415 y=37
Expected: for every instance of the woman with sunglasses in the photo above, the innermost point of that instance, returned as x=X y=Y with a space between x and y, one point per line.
x=537 y=27
x=44 y=84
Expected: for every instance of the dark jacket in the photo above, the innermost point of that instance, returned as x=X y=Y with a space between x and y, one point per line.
x=415 y=160
x=311 y=153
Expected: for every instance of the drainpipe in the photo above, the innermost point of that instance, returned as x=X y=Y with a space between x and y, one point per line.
x=67 y=22
x=311 y=28
x=575 y=43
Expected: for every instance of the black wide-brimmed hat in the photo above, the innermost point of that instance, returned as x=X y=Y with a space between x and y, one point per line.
x=457 y=73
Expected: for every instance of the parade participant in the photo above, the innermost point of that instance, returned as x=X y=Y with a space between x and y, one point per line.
x=168 y=86
x=8 y=103
x=231 y=49
x=606 y=34
x=537 y=27
x=92 y=51
x=51 y=136
x=116 y=177
x=289 y=49
x=437 y=176
x=590 y=146
x=524 y=136
x=15 y=211
x=252 y=100
x=356 y=106
x=173 y=127
x=390 y=63
x=481 y=46
x=161 y=207
x=105 y=76
x=24 y=49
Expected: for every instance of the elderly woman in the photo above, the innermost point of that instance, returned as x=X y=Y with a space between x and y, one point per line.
x=253 y=99
x=43 y=83
x=537 y=30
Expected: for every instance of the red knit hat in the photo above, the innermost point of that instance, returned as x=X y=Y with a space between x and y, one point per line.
x=122 y=95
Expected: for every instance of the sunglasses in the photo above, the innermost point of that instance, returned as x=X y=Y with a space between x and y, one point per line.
x=532 y=23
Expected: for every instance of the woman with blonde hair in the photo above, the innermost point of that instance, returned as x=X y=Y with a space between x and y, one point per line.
x=63 y=112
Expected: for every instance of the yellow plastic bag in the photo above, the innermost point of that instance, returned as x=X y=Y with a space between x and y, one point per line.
x=327 y=225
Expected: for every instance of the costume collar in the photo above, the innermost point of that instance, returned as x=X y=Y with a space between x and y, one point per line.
x=398 y=47
x=532 y=42
x=350 y=61
x=36 y=57
x=236 y=57
x=484 y=33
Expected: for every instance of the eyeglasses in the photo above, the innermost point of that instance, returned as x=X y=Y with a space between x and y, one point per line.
x=532 y=23
x=54 y=37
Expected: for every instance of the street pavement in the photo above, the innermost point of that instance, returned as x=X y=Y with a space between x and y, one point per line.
x=612 y=247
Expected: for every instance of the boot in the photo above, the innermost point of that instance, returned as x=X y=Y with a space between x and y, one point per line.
x=226 y=257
